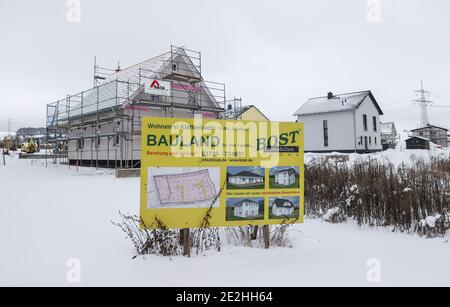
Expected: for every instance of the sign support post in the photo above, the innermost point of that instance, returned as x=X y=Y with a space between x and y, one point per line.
x=243 y=172
x=186 y=235
x=266 y=235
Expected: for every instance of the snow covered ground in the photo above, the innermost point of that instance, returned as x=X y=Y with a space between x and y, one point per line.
x=394 y=156
x=50 y=215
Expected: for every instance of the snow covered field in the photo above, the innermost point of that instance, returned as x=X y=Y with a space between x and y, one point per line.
x=394 y=156
x=50 y=215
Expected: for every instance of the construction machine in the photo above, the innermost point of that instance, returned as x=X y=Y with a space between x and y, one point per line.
x=30 y=147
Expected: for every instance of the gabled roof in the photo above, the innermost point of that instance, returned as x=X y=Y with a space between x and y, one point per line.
x=241 y=202
x=155 y=64
x=289 y=170
x=430 y=126
x=280 y=202
x=387 y=127
x=157 y=67
x=339 y=103
x=246 y=108
x=246 y=174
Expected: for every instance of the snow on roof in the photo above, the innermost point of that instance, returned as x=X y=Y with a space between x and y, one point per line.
x=155 y=64
x=430 y=126
x=339 y=103
x=110 y=93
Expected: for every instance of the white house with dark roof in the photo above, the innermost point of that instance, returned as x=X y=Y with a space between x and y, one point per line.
x=282 y=207
x=342 y=123
x=285 y=176
x=246 y=208
x=245 y=178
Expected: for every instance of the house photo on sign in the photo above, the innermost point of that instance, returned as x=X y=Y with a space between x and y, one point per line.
x=229 y=169
x=284 y=207
x=284 y=177
x=245 y=209
x=242 y=177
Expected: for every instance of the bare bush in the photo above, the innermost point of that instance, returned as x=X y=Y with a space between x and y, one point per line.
x=252 y=236
x=158 y=241
x=378 y=194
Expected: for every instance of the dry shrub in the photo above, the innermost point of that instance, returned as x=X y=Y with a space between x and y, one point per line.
x=252 y=236
x=378 y=194
x=158 y=241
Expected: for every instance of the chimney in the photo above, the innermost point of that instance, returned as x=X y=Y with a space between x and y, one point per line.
x=330 y=95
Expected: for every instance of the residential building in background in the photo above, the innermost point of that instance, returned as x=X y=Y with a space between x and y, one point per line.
x=417 y=142
x=238 y=112
x=437 y=135
x=389 y=135
x=342 y=123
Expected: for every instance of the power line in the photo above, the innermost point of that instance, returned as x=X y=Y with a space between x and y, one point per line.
x=434 y=95
x=440 y=106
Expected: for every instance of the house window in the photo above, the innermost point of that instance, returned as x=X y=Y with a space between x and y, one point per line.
x=365 y=122
x=116 y=140
x=370 y=140
x=98 y=141
x=325 y=133
x=80 y=143
x=375 y=140
x=374 y=121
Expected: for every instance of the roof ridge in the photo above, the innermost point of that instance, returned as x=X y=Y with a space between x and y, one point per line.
x=341 y=94
x=245 y=171
x=141 y=63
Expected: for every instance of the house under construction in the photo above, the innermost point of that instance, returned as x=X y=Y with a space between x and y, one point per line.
x=101 y=127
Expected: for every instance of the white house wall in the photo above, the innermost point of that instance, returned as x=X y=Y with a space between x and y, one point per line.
x=344 y=130
x=278 y=211
x=246 y=209
x=367 y=107
x=340 y=131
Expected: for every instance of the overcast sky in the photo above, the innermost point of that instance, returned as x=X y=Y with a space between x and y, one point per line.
x=274 y=54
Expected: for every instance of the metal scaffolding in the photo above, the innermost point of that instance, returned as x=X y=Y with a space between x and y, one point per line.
x=101 y=127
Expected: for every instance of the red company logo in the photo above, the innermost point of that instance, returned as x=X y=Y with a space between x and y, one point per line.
x=155 y=85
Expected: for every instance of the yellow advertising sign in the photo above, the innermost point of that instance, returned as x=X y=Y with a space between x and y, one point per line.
x=207 y=172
